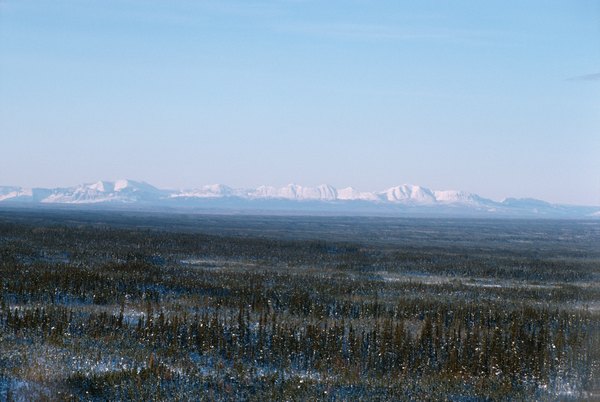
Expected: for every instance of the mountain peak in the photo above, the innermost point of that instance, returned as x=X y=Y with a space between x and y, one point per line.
x=122 y=184
x=133 y=185
x=102 y=186
x=409 y=193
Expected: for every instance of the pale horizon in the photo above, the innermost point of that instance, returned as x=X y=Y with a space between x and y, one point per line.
x=499 y=99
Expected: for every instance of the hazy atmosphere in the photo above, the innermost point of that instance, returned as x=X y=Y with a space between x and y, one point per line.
x=501 y=99
x=297 y=200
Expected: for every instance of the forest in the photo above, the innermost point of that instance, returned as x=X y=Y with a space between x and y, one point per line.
x=115 y=305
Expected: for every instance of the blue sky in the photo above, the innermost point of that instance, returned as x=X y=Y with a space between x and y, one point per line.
x=497 y=98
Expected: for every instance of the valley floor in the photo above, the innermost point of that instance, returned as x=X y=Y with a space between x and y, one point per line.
x=124 y=306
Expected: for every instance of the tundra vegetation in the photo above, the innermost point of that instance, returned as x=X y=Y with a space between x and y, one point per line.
x=111 y=306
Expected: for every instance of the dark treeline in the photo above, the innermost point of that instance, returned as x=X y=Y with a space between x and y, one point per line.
x=97 y=313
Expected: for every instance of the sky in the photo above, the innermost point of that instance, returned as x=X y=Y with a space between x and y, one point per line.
x=499 y=98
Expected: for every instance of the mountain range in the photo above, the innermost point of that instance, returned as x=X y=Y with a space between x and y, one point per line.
x=399 y=200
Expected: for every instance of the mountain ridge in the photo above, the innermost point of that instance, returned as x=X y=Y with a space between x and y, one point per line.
x=405 y=198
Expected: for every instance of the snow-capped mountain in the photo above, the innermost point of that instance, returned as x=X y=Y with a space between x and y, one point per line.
x=209 y=191
x=352 y=194
x=123 y=191
x=295 y=192
x=404 y=199
x=409 y=194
